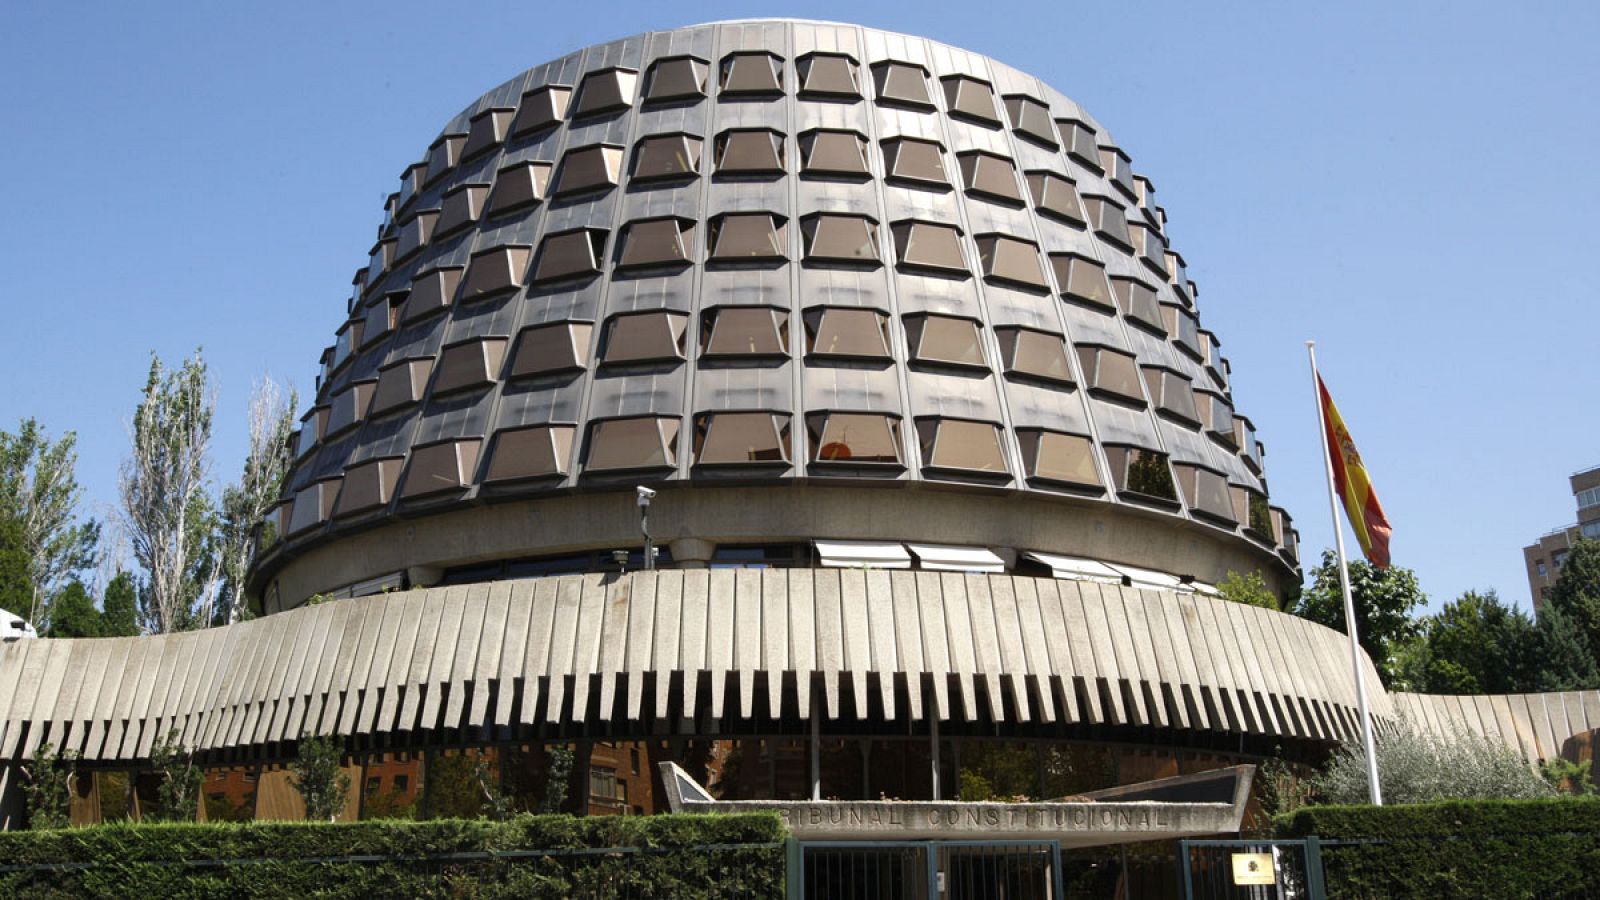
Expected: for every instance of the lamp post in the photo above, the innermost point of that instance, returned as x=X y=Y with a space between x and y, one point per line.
x=645 y=495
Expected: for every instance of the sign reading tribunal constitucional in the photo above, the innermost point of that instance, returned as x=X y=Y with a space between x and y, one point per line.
x=1082 y=821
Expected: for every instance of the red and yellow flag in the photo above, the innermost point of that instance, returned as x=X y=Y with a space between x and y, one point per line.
x=1355 y=488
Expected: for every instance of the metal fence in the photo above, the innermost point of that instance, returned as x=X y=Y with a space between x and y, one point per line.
x=927 y=870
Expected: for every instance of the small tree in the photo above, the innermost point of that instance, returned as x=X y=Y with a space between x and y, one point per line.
x=39 y=490
x=73 y=614
x=178 y=796
x=557 y=775
x=1250 y=589
x=49 y=787
x=1416 y=767
x=317 y=776
x=496 y=801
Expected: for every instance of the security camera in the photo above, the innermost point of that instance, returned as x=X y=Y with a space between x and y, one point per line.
x=645 y=495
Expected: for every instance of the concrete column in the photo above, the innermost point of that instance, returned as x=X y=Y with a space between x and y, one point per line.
x=692 y=553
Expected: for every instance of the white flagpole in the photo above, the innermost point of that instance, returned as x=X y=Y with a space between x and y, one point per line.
x=1375 y=789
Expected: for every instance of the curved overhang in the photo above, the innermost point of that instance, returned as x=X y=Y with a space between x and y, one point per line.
x=697 y=652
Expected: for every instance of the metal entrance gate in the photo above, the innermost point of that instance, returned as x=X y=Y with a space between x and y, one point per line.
x=926 y=870
x=1252 y=870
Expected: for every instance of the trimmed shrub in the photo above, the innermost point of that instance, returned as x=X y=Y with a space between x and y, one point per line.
x=687 y=856
x=1463 y=850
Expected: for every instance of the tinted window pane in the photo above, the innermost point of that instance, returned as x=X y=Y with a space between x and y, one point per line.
x=1054 y=456
x=1143 y=472
x=1109 y=221
x=1031 y=119
x=956 y=444
x=541 y=108
x=901 y=84
x=839 y=238
x=856 y=438
x=537 y=452
x=915 y=161
x=745 y=236
x=1111 y=372
x=969 y=98
x=645 y=336
x=518 y=186
x=569 y=254
x=587 y=169
x=991 y=177
x=440 y=467
x=654 y=242
x=1037 y=354
x=1010 y=260
x=1083 y=279
x=1056 y=196
x=677 y=78
x=733 y=438
x=670 y=156
x=750 y=152
x=944 y=339
x=604 y=92
x=833 y=153
x=930 y=246
x=751 y=73
x=641 y=443
x=469 y=365
x=542 y=349
x=828 y=75
x=738 y=330
x=848 y=332
x=1138 y=302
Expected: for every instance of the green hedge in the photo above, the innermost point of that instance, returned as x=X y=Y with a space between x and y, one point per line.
x=1459 y=849
x=675 y=856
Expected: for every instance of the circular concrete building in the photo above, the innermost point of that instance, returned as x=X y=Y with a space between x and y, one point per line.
x=843 y=297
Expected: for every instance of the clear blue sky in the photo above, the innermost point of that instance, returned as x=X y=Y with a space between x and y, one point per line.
x=1409 y=183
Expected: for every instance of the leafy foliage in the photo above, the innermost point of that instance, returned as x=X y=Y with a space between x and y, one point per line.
x=246 y=502
x=1417 y=767
x=16 y=585
x=1250 y=589
x=49 y=787
x=1477 y=644
x=178 y=795
x=675 y=856
x=1463 y=850
x=1567 y=776
x=1576 y=593
x=168 y=514
x=119 y=614
x=39 y=493
x=318 y=778
x=1384 y=600
x=73 y=614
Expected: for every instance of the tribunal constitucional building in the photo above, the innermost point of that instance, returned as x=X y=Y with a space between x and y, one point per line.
x=945 y=464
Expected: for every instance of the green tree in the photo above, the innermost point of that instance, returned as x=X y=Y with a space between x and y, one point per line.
x=16 y=584
x=168 y=513
x=1250 y=589
x=74 y=614
x=1477 y=644
x=1562 y=655
x=1576 y=592
x=1384 y=600
x=39 y=491
x=318 y=778
x=119 y=614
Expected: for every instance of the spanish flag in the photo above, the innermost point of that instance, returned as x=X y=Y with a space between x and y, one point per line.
x=1355 y=488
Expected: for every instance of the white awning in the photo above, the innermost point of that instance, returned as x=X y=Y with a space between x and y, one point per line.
x=1076 y=569
x=856 y=554
x=1206 y=590
x=944 y=558
x=1150 y=579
